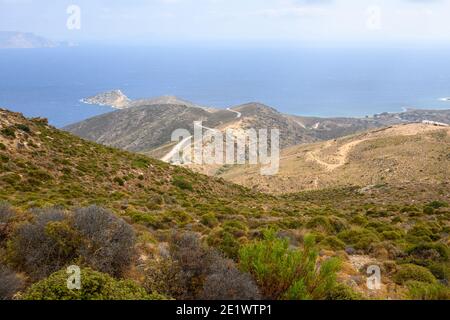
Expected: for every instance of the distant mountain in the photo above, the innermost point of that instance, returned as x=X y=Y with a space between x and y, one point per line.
x=25 y=40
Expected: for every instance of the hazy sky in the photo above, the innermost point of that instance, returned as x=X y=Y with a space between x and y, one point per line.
x=301 y=21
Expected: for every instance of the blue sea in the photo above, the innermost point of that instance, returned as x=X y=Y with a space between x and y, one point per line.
x=303 y=81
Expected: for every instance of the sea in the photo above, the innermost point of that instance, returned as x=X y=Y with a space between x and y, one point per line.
x=309 y=81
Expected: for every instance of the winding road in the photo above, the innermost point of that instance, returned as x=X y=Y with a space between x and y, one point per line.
x=188 y=140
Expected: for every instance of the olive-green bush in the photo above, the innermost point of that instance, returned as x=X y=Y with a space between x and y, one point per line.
x=94 y=286
x=410 y=271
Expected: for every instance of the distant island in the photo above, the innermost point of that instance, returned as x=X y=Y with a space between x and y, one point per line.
x=114 y=98
x=118 y=100
x=27 y=40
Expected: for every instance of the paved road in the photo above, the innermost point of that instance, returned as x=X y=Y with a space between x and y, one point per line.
x=184 y=143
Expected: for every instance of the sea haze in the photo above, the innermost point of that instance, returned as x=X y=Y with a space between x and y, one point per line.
x=303 y=81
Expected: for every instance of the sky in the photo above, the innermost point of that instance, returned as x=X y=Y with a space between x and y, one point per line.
x=295 y=21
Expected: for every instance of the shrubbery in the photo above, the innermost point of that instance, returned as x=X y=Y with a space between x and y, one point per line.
x=194 y=271
x=8 y=132
x=285 y=273
x=182 y=183
x=226 y=282
x=54 y=239
x=10 y=283
x=108 y=242
x=225 y=242
x=408 y=272
x=333 y=243
x=6 y=216
x=421 y=233
x=44 y=245
x=164 y=276
x=209 y=220
x=427 y=291
x=360 y=239
x=94 y=286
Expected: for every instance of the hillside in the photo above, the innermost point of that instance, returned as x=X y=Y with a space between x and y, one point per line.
x=40 y=165
x=402 y=154
x=399 y=227
x=146 y=128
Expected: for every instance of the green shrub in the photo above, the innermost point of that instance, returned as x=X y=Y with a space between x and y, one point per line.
x=440 y=270
x=320 y=223
x=11 y=178
x=343 y=292
x=8 y=132
x=414 y=272
x=326 y=224
x=209 y=220
x=438 y=204
x=23 y=127
x=360 y=239
x=182 y=183
x=396 y=219
x=427 y=291
x=285 y=273
x=391 y=235
x=428 y=251
x=359 y=220
x=236 y=228
x=225 y=242
x=148 y=219
x=119 y=181
x=421 y=233
x=141 y=163
x=333 y=243
x=94 y=286
x=2 y=146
